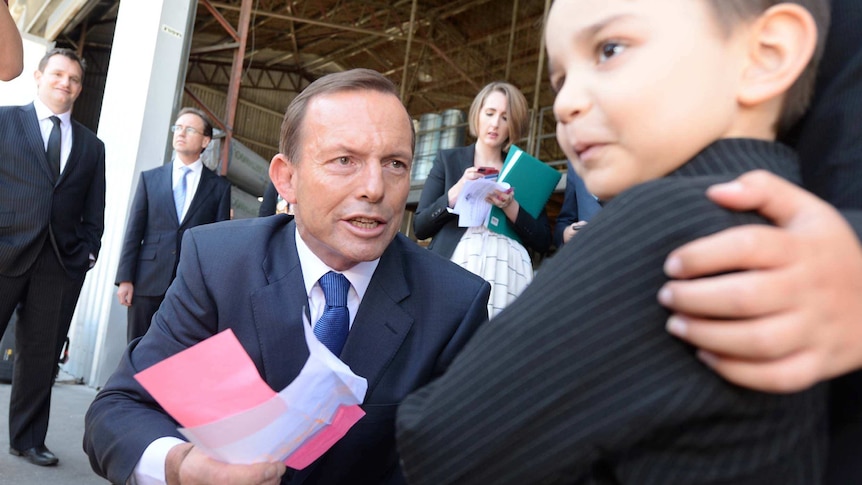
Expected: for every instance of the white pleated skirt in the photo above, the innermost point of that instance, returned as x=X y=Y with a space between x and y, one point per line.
x=500 y=260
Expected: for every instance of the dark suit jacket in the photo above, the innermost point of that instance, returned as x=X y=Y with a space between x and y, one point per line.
x=578 y=204
x=577 y=381
x=829 y=141
x=269 y=204
x=33 y=207
x=433 y=220
x=151 y=245
x=246 y=275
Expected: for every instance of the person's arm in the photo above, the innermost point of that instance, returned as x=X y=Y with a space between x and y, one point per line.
x=11 y=46
x=535 y=232
x=136 y=227
x=568 y=210
x=224 y=202
x=187 y=465
x=93 y=216
x=269 y=202
x=431 y=212
x=796 y=306
x=126 y=293
x=578 y=368
x=124 y=420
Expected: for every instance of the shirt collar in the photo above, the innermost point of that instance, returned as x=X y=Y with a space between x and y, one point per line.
x=313 y=268
x=196 y=166
x=734 y=156
x=43 y=112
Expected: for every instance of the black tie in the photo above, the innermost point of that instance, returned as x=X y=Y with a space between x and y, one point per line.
x=53 y=151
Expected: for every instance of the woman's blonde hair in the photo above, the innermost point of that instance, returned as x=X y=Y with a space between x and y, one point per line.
x=518 y=112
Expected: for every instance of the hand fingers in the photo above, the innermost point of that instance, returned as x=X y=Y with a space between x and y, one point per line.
x=735 y=295
x=499 y=198
x=766 y=338
x=753 y=247
x=200 y=469
x=472 y=173
x=772 y=196
x=790 y=374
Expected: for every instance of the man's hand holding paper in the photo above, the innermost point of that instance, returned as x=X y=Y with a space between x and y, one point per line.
x=214 y=391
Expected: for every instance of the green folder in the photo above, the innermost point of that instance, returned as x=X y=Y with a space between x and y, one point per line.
x=533 y=180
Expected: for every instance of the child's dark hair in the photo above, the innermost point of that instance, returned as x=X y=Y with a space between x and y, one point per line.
x=730 y=13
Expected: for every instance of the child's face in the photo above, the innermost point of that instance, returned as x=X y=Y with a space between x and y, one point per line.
x=642 y=86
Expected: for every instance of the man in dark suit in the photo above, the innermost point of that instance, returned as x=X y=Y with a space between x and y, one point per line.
x=579 y=205
x=161 y=212
x=346 y=150
x=52 y=206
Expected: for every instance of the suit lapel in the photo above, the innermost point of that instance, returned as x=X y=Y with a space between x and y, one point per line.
x=381 y=325
x=378 y=331
x=75 y=154
x=33 y=137
x=166 y=187
x=204 y=188
x=277 y=310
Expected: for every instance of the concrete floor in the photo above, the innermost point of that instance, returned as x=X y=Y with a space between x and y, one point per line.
x=69 y=403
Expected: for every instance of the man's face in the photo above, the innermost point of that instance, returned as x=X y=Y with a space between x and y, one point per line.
x=351 y=183
x=59 y=84
x=190 y=145
x=642 y=86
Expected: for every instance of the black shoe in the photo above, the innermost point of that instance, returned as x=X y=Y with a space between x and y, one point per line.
x=39 y=455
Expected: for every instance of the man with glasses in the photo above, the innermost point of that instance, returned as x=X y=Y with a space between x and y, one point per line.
x=169 y=200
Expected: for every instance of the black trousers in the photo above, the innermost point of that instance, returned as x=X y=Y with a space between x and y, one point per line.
x=140 y=314
x=48 y=295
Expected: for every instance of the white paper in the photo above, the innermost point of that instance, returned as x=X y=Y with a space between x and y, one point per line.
x=471 y=207
x=281 y=426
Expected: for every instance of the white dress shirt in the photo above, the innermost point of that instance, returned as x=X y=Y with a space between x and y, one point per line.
x=43 y=113
x=192 y=180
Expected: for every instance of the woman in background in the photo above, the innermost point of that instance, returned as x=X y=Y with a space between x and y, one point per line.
x=498 y=117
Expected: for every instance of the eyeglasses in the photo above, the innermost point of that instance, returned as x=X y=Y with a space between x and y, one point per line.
x=188 y=129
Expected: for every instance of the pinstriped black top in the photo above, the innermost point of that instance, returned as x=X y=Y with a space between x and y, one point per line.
x=578 y=382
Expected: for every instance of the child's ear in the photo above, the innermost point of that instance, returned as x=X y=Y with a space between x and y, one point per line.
x=281 y=172
x=783 y=40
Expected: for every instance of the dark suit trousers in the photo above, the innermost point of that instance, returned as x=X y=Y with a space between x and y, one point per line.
x=140 y=314
x=49 y=296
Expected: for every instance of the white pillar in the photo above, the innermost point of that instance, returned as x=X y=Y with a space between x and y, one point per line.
x=144 y=84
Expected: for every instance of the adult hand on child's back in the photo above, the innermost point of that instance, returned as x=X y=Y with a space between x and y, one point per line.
x=792 y=313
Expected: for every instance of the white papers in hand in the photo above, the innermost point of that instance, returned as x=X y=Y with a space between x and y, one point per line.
x=295 y=426
x=471 y=207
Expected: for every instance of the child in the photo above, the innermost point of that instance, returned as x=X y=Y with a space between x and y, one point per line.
x=577 y=381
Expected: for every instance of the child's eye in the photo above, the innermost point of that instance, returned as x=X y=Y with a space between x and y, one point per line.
x=557 y=81
x=609 y=49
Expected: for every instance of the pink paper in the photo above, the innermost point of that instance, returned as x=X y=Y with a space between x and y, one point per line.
x=208 y=381
x=317 y=445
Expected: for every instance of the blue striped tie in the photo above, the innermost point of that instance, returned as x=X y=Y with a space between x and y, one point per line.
x=334 y=324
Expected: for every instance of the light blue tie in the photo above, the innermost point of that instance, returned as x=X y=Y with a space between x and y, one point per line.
x=334 y=324
x=180 y=192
